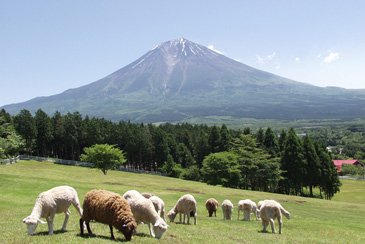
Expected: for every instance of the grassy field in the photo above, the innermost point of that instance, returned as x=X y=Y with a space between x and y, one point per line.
x=313 y=220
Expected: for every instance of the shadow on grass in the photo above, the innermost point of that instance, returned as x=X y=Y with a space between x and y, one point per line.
x=265 y=232
x=142 y=235
x=45 y=233
x=87 y=236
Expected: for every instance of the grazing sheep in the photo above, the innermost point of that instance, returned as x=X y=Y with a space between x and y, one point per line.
x=260 y=203
x=212 y=206
x=159 y=205
x=108 y=208
x=247 y=207
x=147 y=195
x=48 y=203
x=269 y=211
x=184 y=205
x=144 y=212
x=227 y=209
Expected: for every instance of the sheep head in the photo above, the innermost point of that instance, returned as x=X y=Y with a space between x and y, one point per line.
x=171 y=214
x=159 y=228
x=32 y=223
x=128 y=230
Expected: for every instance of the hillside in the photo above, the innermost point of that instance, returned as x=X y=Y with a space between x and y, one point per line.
x=313 y=220
x=179 y=80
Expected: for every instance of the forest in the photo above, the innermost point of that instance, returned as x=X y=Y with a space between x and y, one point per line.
x=282 y=162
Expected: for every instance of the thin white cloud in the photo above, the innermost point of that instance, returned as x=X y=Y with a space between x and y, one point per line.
x=211 y=47
x=297 y=60
x=332 y=57
x=262 y=60
x=319 y=55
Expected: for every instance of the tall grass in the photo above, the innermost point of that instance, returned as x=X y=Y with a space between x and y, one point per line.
x=313 y=220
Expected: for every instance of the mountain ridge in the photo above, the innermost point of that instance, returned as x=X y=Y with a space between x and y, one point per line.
x=179 y=76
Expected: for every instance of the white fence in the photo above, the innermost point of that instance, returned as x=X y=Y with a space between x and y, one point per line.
x=126 y=168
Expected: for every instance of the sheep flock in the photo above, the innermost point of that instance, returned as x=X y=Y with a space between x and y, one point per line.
x=126 y=212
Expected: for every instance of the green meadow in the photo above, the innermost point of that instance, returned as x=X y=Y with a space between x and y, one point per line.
x=340 y=220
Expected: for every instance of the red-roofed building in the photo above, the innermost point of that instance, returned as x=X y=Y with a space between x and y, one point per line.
x=339 y=163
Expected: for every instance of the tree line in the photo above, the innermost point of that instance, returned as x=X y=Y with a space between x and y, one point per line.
x=261 y=161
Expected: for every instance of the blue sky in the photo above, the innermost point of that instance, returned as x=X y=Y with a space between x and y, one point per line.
x=47 y=47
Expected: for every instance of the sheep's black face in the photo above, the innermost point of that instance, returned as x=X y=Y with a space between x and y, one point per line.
x=128 y=230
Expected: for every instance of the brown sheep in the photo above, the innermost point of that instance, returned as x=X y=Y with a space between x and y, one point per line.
x=108 y=208
x=212 y=205
x=147 y=195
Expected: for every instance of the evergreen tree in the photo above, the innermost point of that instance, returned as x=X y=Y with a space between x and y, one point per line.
x=225 y=138
x=214 y=139
x=281 y=141
x=329 y=180
x=44 y=132
x=201 y=148
x=170 y=168
x=293 y=164
x=259 y=170
x=246 y=131
x=260 y=137
x=25 y=126
x=312 y=175
x=184 y=157
x=59 y=133
x=271 y=143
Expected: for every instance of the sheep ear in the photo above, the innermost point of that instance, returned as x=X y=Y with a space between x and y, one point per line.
x=24 y=220
x=157 y=224
x=41 y=221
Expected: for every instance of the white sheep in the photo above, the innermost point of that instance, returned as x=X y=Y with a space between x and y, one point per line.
x=247 y=207
x=159 y=205
x=271 y=210
x=227 y=209
x=48 y=203
x=184 y=205
x=144 y=212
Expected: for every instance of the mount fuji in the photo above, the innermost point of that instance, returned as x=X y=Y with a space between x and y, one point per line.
x=179 y=80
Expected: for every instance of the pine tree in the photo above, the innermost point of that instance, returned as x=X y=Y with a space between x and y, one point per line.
x=329 y=181
x=271 y=143
x=225 y=138
x=214 y=139
x=293 y=164
x=260 y=137
x=312 y=176
x=281 y=140
x=25 y=125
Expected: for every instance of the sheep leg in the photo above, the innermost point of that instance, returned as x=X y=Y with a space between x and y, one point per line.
x=264 y=225
x=272 y=223
x=195 y=219
x=81 y=227
x=111 y=232
x=280 y=224
x=188 y=217
x=180 y=218
x=88 y=227
x=238 y=218
x=50 y=223
x=67 y=215
x=151 y=231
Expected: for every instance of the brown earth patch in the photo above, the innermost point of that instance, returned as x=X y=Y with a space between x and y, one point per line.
x=113 y=183
x=184 y=190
